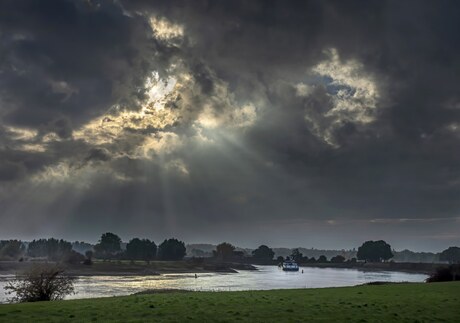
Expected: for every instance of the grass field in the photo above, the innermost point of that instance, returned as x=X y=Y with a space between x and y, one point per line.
x=437 y=302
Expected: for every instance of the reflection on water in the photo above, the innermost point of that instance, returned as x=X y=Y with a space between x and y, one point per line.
x=267 y=277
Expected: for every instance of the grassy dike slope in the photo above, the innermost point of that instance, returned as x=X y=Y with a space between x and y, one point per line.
x=438 y=302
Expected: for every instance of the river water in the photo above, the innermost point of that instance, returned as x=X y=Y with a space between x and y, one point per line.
x=267 y=277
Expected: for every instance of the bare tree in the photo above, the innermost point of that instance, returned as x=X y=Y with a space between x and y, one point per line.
x=40 y=283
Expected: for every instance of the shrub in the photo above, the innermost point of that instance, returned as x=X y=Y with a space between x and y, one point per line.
x=445 y=274
x=40 y=283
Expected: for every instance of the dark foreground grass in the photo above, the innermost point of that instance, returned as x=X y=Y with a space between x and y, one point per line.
x=437 y=302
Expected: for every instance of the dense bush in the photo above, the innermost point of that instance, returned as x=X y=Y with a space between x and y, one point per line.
x=445 y=274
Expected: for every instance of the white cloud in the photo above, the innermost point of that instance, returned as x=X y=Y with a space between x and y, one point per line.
x=164 y=29
x=112 y=126
x=352 y=91
x=159 y=144
x=303 y=89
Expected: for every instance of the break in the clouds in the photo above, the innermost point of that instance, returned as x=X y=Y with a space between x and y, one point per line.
x=313 y=123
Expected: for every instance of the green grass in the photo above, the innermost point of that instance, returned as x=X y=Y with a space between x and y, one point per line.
x=438 y=302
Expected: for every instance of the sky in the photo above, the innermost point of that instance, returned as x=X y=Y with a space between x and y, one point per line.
x=290 y=123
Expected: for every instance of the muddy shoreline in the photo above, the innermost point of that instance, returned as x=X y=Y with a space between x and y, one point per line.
x=127 y=268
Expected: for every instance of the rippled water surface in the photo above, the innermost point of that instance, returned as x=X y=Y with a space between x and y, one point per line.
x=267 y=277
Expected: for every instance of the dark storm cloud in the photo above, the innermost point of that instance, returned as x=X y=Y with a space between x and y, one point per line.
x=412 y=48
x=64 y=63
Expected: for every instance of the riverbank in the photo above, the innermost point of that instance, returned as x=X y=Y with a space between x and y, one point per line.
x=408 y=267
x=141 y=268
x=128 y=268
x=421 y=302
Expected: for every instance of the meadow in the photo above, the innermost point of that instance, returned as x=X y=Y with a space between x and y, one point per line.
x=415 y=302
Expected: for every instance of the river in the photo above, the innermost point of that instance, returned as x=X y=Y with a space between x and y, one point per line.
x=267 y=277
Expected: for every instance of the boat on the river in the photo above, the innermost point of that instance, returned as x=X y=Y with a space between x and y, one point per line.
x=290 y=265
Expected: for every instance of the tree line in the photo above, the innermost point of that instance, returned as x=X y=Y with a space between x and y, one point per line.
x=109 y=247
x=370 y=251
